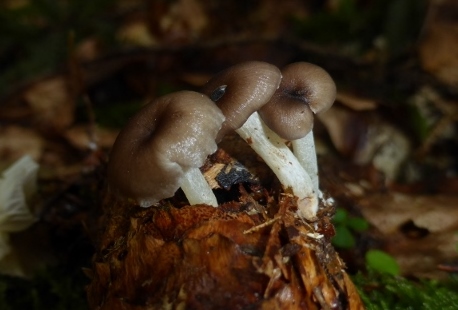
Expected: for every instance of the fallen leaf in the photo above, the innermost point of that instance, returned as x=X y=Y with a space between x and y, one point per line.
x=51 y=102
x=366 y=138
x=439 y=40
x=178 y=22
x=80 y=137
x=136 y=33
x=419 y=231
x=15 y=141
x=389 y=212
x=355 y=102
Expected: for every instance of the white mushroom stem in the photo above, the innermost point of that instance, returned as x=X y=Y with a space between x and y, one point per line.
x=304 y=150
x=283 y=163
x=196 y=188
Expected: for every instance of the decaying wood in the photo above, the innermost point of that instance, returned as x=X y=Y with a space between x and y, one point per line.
x=249 y=253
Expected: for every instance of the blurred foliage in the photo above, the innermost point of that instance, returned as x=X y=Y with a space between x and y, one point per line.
x=390 y=25
x=381 y=262
x=117 y=114
x=346 y=225
x=419 y=123
x=34 y=36
x=119 y=107
x=384 y=291
x=56 y=288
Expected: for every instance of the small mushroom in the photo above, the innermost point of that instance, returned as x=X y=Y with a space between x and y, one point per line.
x=240 y=91
x=162 y=147
x=305 y=89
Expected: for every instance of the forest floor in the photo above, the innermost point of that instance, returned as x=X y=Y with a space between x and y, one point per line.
x=71 y=74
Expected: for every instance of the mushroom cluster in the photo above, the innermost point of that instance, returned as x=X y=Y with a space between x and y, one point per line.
x=162 y=147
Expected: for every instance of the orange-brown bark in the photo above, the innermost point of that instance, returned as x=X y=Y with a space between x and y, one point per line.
x=231 y=257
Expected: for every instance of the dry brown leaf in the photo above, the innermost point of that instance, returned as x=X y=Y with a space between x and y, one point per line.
x=17 y=141
x=88 y=50
x=389 y=212
x=419 y=231
x=355 y=102
x=421 y=257
x=51 y=102
x=80 y=137
x=185 y=20
x=136 y=33
x=366 y=138
x=440 y=41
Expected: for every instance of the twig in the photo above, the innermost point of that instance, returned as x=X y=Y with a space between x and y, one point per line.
x=260 y=226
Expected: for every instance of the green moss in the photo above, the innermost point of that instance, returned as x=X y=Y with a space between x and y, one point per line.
x=383 y=291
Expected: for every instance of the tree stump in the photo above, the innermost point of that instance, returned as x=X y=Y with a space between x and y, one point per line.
x=252 y=252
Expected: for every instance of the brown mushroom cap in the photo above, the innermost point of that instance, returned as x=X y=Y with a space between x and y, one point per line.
x=241 y=90
x=161 y=142
x=305 y=88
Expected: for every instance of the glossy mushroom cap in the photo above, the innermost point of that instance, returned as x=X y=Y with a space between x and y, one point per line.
x=305 y=88
x=241 y=90
x=160 y=143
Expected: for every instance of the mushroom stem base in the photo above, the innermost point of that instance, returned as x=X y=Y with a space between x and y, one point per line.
x=196 y=188
x=282 y=161
x=304 y=149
